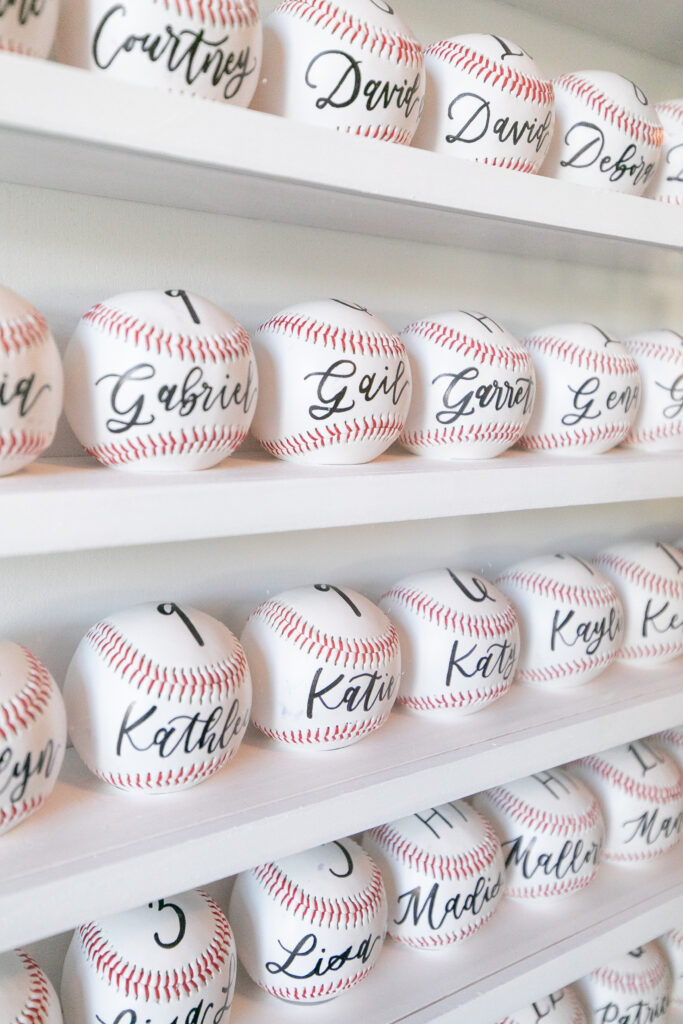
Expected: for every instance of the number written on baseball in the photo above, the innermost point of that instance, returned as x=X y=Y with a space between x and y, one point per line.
x=186 y=53
x=174 y=609
x=24 y=9
x=152 y=730
x=476 y=591
x=461 y=397
x=179 y=293
x=349 y=693
x=16 y=773
x=181 y=924
x=334 y=397
x=586 y=144
x=348 y=862
x=325 y=588
x=347 y=75
x=647 y=758
x=588 y=403
x=300 y=962
x=640 y=1012
x=472 y=120
x=21 y=393
x=441 y=907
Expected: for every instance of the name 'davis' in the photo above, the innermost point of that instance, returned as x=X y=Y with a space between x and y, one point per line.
x=300 y=963
x=333 y=398
x=205 y=1012
x=186 y=734
x=640 y=1012
x=361 y=691
x=131 y=403
x=585 y=404
x=187 y=53
x=573 y=857
x=459 y=399
x=472 y=120
x=346 y=74
x=16 y=773
x=24 y=9
x=568 y=629
x=21 y=394
x=586 y=141
x=651 y=826
x=438 y=907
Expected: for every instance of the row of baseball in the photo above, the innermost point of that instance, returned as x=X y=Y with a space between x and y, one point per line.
x=356 y=67
x=311 y=926
x=159 y=696
x=168 y=381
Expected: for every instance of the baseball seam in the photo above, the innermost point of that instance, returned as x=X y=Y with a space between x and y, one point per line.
x=647 y=579
x=620 y=779
x=38 y=1000
x=477 y=626
x=632 y=983
x=23 y=708
x=354 y=910
x=442 y=867
x=322 y=735
x=447 y=938
x=226 y=13
x=304 y=328
x=461 y=699
x=370 y=428
x=646 y=651
x=583 y=437
x=317 y=992
x=637 y=127
x=548 y=673
x=535 y=90
x=672 y=200
x=380 y=132
x=550 y=889
x=196 y=440
x=598 y=596
x=146 y=782
x=655 y=350
x=587 y=359
x=542 y=821
x=487 y=353
x=636 y=856
x=662 y=431
x=674 y=736
x=17 y=443
x=17 y=812
x=475 y=433
x=511 y=163
x=670 y=109
x=25 y=333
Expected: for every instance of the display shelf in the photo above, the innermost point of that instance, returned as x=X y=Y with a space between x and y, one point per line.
x=63 y=128
x=75 y=504
x=524 y=952
x=92 y=849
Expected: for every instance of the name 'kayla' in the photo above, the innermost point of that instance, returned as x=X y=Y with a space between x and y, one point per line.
x=569 y=630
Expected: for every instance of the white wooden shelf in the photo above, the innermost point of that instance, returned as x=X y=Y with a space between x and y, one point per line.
x=63 y=128
x=75 y=504
x=92 y=849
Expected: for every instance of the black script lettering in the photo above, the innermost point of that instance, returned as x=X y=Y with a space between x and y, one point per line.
x=307 y=945
x=202 y=1013
x=437 y=907
x=356 y=306
x=500 y=395
x=571 y=859
x=325 y=588
x=212 y=732
x=674 y=158
x=675 y=393
x=575 y=558
x=331 y=397
x=23 y=392
x=569 y=630
x=505 y=49
x=436 y=814
x=549 y=780
x=627 y=398
x=499 y=659
x=652 y=826
x=363 y=690
x=346 y=72
x=127 y=416
x=635 y=1013
x=16 y=773
x=347 y=860
x=25 y=9
x=472 y=116
x=646 y=757
x=660 y=620
x=583 y=402
x=479 y=591
x=180 y=293
x=589 y=140
x=534 y=133
x=174 y=609
x=546 y=1006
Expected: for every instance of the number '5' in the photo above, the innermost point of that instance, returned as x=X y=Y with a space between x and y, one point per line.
x=182 y=924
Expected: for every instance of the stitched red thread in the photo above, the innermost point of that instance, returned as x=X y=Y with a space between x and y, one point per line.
x=15 y=443
x=28 y=332
x=637 y=127
x=539 y=820
x=355 y=910
x=38 y=999
x=382 y=132
x=549 y=889
x=480 y=433
x=445 y=938
x=674 y=110
x=619 y=778
x=323 y=734
x=443 y=867
x=510 y=163
x=569 y=668
x=488 y=353
x=455 y=700
x=17 y=812
x=571 y=352
x=655 y=350
x=305 y=328
x=30 y=702
x=638 y=574
x=194 y=441
x=655 y=433
x=145 y=782
x=348 y=432
x=627 y=858
x=439 y=614
x=534 y=90
x=226 y=13
x=630 y=981
x=615 y=433
x=597 y=596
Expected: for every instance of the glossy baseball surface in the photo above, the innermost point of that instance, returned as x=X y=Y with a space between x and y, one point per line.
x=635 y=986
x=666 y=184
x=672 y=943
x=562 y=1007
x=672 y=742
x=26 y=993
x=29 y=26
x=658 y=425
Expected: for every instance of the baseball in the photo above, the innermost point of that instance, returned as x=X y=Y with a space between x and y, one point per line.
x=570 y=616
x=28 y=26
x=658 y=425
x=354 y=66
x=459 y=640
x=32 y=734
x=649 y=576
x=635 y=986
x=666 y=183
x=552 y=831
x=310 y=926
x=672 y=742
x=607 y=135
x=157 y=697
x=473 y=387
x=31 y=383
x=26 y=994
x=673 y=945
x=171 y=960
x=334 y=384
x=641 y=792
x=207 y=48
x=159 y=381
x=326 y=666
x=488 y=101
x=561 y=1007
x=443 y=871
x=587 y=390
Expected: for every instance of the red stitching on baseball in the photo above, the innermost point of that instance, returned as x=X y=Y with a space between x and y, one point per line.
x=454 y=867
x=539 y=820
x=381 y=132
x=323 y=14
x=575 y=438
x=38 y=999
x=127 y=328
x=642 y=577
x=569 y=668
x=226 y=13
x=637 y=127
x=367 y=429
x=510 y=163
x=672 y=109
x=631 y=982
x=621 y=780
x=354 y=910
x=488 y=353
x=654 y=433
x=17 y=812
x=655 y=350
x=445 y=938
x=587 y=359
x=534 y=90
x=25 y=706
x=322 y=991
x=455 y=700
x=597 y=596
x=198 y=682
x=476 y=433
x=184 y=442
x=19 y=48
x=671 y=200
x=14 y=443
x=323 y=734
x=492 y=625
x=549 y=889
x=640 y=651
x=28 y=332
x=146 y=782
x=673 y=736
x=634 y=856
x=305 y=328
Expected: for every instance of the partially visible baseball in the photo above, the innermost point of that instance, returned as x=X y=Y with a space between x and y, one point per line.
x=459 y=640
x=607 y=134
x=353 y=66
x=157 y=697
x=207 y=48
x=159 y=381
x=666 y=184
x=487 y=100
x=649 y=578
x=32 y=734
x=561 y=1007
x=634 y=987
x=326 y=666
x=587 y=390
x=672 y=742
x=443 y=871
x=28 y=26
x=552 y=831
x=658 y=425
x=473 y=387
x=173 y=959
x=26 y=993
x=310 y=926
x=641 y=792
x=334 y=384
x=672 y=942
x=570 y=617
x=31 y=382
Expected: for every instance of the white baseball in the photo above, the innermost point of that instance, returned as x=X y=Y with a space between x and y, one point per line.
x=641 y=793
x=310 y=926
x=326 y=666
x=173 y=959
x=658 y=425
x=459 y=640
x=26 y=993
x=31 y=383
x=587 y=390
x=443 y=872
x=353 y=65
x=672 y=742
x=488 y=101
x=28 y=26
x=334 y=384
x=635 y=986
x=666 y=184
x=157 y=697
x=32 y=734
x=607 y=135
x=561 y=1007
x=207 y=48
x=159 y=381
x=473 y=387
x=570 y=616
x=673 y=945
x=649 y=577
x=552 y=831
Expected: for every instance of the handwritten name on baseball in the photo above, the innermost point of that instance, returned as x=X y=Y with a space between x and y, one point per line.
x=658 y=619
x=189 y=53
x=346 y=74
x=499 y=659
x=588 y=403
x=151 y=729
x=21 y=393
x=573 y=857
x=299 y=961
x=673 y=391
x=361 y=691
x=472 y=120
x=652 y=826
x=205 y=1012
x=674 y=160
x=24 y=9
x=130 y=396
x=459 y=399
x=16 y=772
x=569 y=629
x=640 y=1012
x=586 y=143
x=438 y=907
x=334 y=398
